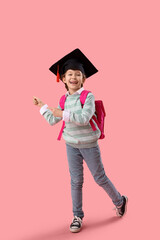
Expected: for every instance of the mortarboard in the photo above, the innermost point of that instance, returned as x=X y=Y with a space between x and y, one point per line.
x=75 y=60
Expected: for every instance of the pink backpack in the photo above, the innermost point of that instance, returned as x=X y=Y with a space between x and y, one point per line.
x=100 y=113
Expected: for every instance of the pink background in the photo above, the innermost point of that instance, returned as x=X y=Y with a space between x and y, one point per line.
x=122 y=39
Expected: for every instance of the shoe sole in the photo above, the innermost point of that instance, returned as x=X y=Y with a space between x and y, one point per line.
x=75 y=230
x=125 y=210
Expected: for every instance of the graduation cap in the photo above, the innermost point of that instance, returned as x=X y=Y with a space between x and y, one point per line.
x=75 y=60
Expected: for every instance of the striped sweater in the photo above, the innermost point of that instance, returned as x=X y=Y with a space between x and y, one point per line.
x=77 y=132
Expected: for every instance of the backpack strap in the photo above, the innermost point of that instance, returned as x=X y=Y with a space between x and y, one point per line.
x=61 y=104
x=62 y=101
x=61 y=131
x=83 y=97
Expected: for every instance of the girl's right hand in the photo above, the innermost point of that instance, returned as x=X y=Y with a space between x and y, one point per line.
x=38 y=102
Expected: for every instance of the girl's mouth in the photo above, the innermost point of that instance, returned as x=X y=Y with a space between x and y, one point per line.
x=73 y=82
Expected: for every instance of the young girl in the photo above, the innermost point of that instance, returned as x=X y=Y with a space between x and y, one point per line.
x=81 y=140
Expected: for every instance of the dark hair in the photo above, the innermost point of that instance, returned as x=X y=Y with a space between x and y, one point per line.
x=62 y=76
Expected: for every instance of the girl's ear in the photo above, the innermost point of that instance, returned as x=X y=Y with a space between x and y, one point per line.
x=63 y=79
x=84 y=79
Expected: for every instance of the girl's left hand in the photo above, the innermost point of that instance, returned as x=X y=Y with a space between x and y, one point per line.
x=56 y=112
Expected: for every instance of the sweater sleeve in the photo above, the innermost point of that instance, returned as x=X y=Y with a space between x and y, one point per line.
x=86 y=113
x=48 y=115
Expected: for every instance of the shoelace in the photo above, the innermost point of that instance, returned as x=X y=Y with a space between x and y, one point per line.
x=116 y=208
x=76 y=220
x=117 y=211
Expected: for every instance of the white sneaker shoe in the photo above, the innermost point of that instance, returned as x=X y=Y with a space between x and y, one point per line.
x=121 y=211
x=76 y=224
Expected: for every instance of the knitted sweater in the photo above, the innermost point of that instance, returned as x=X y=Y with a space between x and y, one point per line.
x=77 y=132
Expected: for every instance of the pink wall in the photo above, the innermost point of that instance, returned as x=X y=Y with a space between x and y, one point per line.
x=122 y=39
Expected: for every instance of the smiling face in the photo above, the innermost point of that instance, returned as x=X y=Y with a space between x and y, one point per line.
x=74 y=80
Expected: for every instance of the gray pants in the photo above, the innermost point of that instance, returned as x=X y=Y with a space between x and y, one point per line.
x=93 y=160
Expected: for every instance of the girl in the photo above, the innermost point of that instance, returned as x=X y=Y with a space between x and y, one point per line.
x=81 y=140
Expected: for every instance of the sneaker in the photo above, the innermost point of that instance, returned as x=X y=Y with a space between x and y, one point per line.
x=76 y=224
x=122 y=209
